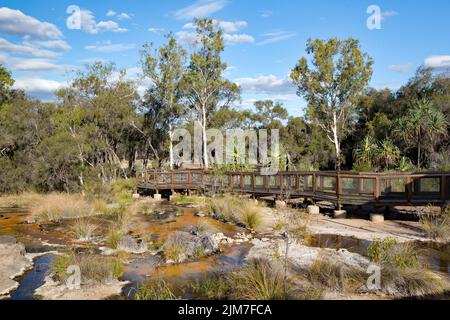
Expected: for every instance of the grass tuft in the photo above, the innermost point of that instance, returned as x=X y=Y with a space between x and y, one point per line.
x=155 y=291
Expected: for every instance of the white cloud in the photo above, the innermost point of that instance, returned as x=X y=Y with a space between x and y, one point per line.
x=401 y=68
x=227 y=26
x=191 y=38
x=110 y=26
x=111 y=13
x=266 y=13
x=156 y=30
x=60 y=45
x=2 y=59
x=124 y=16
x=438 y=61
x=266 y=84
x=19 y=49
x=37 y=85
x=108 y=46
x=238 y=38
x=88 y=23
x=14 y=22
x=200 y=9
x=36 y=65
x=275 y=37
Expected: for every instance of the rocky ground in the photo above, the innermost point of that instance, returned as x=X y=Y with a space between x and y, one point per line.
x=13 y=262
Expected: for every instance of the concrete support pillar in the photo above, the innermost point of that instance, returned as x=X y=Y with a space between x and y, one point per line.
x=340 y=214
x=157 y=197
x=313 y=209
x=136 y=196
x=377 y=217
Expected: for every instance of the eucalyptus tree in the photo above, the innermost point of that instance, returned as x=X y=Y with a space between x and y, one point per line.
x=332 y=84
x=204 y=87
x=99 y=106
x=165 y=67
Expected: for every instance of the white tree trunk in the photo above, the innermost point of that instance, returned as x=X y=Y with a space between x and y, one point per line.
x=205 y=142
x=337 y=144
x=171 y=147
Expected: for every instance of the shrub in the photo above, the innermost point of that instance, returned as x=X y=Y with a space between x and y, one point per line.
x=155 y=291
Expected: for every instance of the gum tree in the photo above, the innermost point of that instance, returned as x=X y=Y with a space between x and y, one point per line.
x=204 y=87
x=331 y=84
x=165 y=69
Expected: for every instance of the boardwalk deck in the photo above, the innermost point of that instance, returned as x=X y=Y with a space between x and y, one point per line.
x=380 y=189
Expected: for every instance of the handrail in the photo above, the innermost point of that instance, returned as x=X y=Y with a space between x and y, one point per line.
x=345 y=186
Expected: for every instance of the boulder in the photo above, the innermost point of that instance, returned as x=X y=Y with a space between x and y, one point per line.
x=340 y=214
x=12 y=263
x=280 y=204
x=132 y=245
x=189 y=245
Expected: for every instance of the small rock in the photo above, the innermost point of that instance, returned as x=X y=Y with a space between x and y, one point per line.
x=200 y=215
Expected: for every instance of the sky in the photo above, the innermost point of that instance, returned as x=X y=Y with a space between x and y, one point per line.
x=44 y=42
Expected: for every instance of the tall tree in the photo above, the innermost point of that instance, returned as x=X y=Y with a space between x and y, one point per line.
x=423 y=126
x=203 y=84
x=6 y=82
x=339 y=73
x=165 y=69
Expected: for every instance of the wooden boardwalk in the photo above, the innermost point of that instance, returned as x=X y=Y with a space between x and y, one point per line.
x=379 y=189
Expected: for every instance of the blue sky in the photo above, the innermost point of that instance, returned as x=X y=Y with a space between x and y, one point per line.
x=265 y=38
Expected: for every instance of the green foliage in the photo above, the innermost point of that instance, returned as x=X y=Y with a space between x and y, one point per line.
x=389 y=252
x=339 y=69
x=113 y=238
x=155 y=291
x=215 y=286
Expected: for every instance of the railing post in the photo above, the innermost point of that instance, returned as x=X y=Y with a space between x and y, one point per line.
x=409 y=189
x=377 y=189
x=444 y=188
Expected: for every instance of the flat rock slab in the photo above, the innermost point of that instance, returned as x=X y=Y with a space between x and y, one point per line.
x=12 y=263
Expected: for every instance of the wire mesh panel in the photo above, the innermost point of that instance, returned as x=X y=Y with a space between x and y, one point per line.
x=259 y=182
x=196 y=178
x=392 y=186
x=274 y=182
x=181 y=178
x=248 y=181
x=164 y=178
x=326 y=184
x=306 y=182
x=427 y=185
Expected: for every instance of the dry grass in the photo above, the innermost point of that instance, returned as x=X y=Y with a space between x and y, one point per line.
x=401 y=273
x=437 y=225
x=58 y=206
x=325 y=274
x=113 y=237
x=411 y=282
x=155 y=291
x=83 y=229
x=96 y=268
x=238 y=210
x=176 y=247
x=260 y=280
